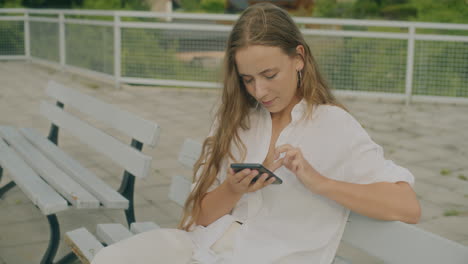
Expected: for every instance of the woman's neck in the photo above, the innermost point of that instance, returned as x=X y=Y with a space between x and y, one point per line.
x=284 y=116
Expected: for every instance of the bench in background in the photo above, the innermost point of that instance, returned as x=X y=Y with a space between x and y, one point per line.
x=54 y=181
x=392 y=242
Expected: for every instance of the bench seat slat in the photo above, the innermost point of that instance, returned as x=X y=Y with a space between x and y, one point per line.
x=403 y=243
x=132 y=125
x=129 y=158
x=109 y=197
x=112 y=233
x=141 y=227
x=38 y=191
x=83 y=244
x=72 y=191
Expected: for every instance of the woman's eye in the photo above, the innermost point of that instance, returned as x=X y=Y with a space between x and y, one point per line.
x=271 y=76
x=248 y=81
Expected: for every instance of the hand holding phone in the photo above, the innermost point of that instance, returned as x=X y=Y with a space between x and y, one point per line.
x=258 y=167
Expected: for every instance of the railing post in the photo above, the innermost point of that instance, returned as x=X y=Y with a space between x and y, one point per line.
x=117 y=47
x=409 y=64
x=62 y=40
x=27 y=41
x=169 y=11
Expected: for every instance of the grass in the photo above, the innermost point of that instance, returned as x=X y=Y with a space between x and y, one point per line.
x=451 y=212
x=462 y=177
x=445 y=172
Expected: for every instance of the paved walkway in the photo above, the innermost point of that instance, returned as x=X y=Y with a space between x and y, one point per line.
x=429 y=139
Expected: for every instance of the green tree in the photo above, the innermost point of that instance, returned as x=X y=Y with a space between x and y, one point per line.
x=444 y=11
x=115 y=4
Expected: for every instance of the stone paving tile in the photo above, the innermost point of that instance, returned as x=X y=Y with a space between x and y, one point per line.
x=441 y=196
x=451 y=227
x=157 y=193
x=430 y=210
x=24 y=211
x=425 y=138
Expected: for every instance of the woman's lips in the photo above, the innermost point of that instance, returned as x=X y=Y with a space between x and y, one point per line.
x=268 y=103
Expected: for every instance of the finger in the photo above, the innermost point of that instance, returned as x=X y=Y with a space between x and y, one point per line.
x=290 y=155
x=269 y=181
x=282 y=148
x=295 y=165
x=240 y=176
x=260 y=182
x=276 y=164
x=248 y=178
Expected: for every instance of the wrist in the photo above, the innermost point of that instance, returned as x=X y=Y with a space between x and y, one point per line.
x=227 y=188
x=318 y=183
x=324 y=186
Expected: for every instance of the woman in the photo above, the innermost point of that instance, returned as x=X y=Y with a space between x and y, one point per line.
x=277 y=110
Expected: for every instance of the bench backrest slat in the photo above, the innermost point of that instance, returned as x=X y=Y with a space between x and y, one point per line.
x=137 y=128
x=39 y=192
x=109 y=197
x=397 y=242
x=129 y=158
x=67 y=187
x=190 y=153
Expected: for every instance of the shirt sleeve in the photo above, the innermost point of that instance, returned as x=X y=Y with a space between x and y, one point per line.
x=368 y=164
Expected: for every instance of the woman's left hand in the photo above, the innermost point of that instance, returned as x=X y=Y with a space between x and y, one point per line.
x=294 y=161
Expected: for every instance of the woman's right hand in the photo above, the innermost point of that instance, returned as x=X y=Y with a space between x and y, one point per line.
x=240 y=182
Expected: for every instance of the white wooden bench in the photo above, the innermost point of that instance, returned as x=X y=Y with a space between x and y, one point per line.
x=391 y=242
x=54 y=181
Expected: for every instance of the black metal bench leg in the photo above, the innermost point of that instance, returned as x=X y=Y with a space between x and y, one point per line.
x=127 y=189
x=7 y=186
x=54 y=240
x=54 y=243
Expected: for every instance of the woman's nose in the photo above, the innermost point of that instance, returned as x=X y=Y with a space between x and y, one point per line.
x=260 y=89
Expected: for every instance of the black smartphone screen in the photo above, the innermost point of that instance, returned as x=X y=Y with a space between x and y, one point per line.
x=256 y=166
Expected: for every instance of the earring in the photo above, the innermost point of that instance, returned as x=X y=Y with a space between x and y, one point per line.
x=299 y=78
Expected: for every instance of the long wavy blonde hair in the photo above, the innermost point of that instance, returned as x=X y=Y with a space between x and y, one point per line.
x=260 y=24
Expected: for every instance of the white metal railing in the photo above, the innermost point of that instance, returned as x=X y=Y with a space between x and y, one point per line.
x=186 y=49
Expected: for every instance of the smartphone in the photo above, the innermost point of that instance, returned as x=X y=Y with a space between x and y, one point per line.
x=256 y=166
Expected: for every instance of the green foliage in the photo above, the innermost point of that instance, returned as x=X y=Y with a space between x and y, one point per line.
x=10 y=4
x=361 y=63
x=151 y=53
x=90 y=47
x=462 y=177
x=190 y=5
x=451 y=212
x=399 y=12
x=212 y=6
x=445 y=172
x=449 y=11
x=366 y=9
x=327 y=8
x=12 y=38
x=115 y=4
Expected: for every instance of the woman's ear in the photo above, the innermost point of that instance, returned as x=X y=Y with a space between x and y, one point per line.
x=300 y=57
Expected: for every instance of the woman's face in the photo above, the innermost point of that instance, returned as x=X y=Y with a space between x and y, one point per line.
x=270 y=76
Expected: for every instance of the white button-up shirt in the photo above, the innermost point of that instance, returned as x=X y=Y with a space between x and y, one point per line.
x=287 y=223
